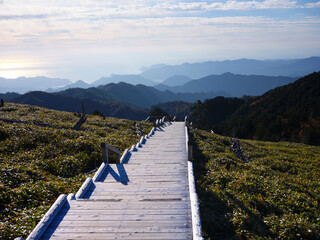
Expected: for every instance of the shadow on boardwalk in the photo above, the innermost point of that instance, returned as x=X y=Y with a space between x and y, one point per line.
x=120 y=174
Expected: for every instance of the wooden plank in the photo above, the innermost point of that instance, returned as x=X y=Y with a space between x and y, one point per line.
x=103 y=229
x=136 y=206
x=138 y=236
x=128 y=211
x=129 y=224
x=137 y=217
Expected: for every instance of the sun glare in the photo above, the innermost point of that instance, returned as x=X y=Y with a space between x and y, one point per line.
x=15 y=68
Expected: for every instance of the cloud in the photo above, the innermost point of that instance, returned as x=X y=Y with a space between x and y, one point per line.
x=228 y=5
x=122 y=26
x=21 y=17
x=90 y=9
x=313 y=5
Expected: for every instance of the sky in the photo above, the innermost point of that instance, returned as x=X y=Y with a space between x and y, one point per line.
x=89 y=39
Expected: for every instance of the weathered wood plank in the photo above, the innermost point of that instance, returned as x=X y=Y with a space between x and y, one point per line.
x=129 y=224
x=138 y=236
x=125 y=217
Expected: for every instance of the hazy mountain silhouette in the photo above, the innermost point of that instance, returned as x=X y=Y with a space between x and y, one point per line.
x=23 y=84
x=71 y=104
x=176 y=80
x=77 y=84
x=171 y=76
x=144 y=68
x=234 y=84
x=131 y=79
x=293 y=68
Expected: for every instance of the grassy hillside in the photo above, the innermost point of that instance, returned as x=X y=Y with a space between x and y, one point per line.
x=40 y=163
x=288 y=113
x=275 y=195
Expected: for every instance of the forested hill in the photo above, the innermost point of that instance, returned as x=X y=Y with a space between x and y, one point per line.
x=289 y=113
x=73 y=104
x=135 y=95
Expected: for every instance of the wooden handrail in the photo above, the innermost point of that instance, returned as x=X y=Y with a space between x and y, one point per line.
x=105 y=156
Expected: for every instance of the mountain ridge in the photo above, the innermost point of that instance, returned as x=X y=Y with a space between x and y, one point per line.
x=66 y=103
x=291 y=68
x=170 y=74
x=235 y=84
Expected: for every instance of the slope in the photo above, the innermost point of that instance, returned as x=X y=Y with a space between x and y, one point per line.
x=291 y=113
x=274 y=195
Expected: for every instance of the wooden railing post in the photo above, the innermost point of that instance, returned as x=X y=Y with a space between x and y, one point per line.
x=105 y=157
x=118 y=159
x=81 y=121
x=190 y=151
x=186 y=120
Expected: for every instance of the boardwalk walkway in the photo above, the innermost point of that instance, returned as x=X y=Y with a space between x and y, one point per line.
x=145 y=198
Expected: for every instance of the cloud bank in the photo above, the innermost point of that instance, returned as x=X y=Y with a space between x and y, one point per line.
x=125 y=32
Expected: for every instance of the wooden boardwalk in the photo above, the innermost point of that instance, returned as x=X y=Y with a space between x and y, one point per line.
x=145 y=198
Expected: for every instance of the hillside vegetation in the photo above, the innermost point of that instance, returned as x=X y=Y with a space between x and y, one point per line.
x=39 y=163
x=274 y=194
x=288 y=113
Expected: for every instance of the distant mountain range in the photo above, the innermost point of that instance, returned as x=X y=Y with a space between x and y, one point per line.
x=291 y=68
x=234 y=84
x=131 y=79
x=77 y=84
x=135 y=95
x=141 y=96
x=290 y=112
x=173 y=75
x=176 y=80
x=23 y=84
x=120 y=100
